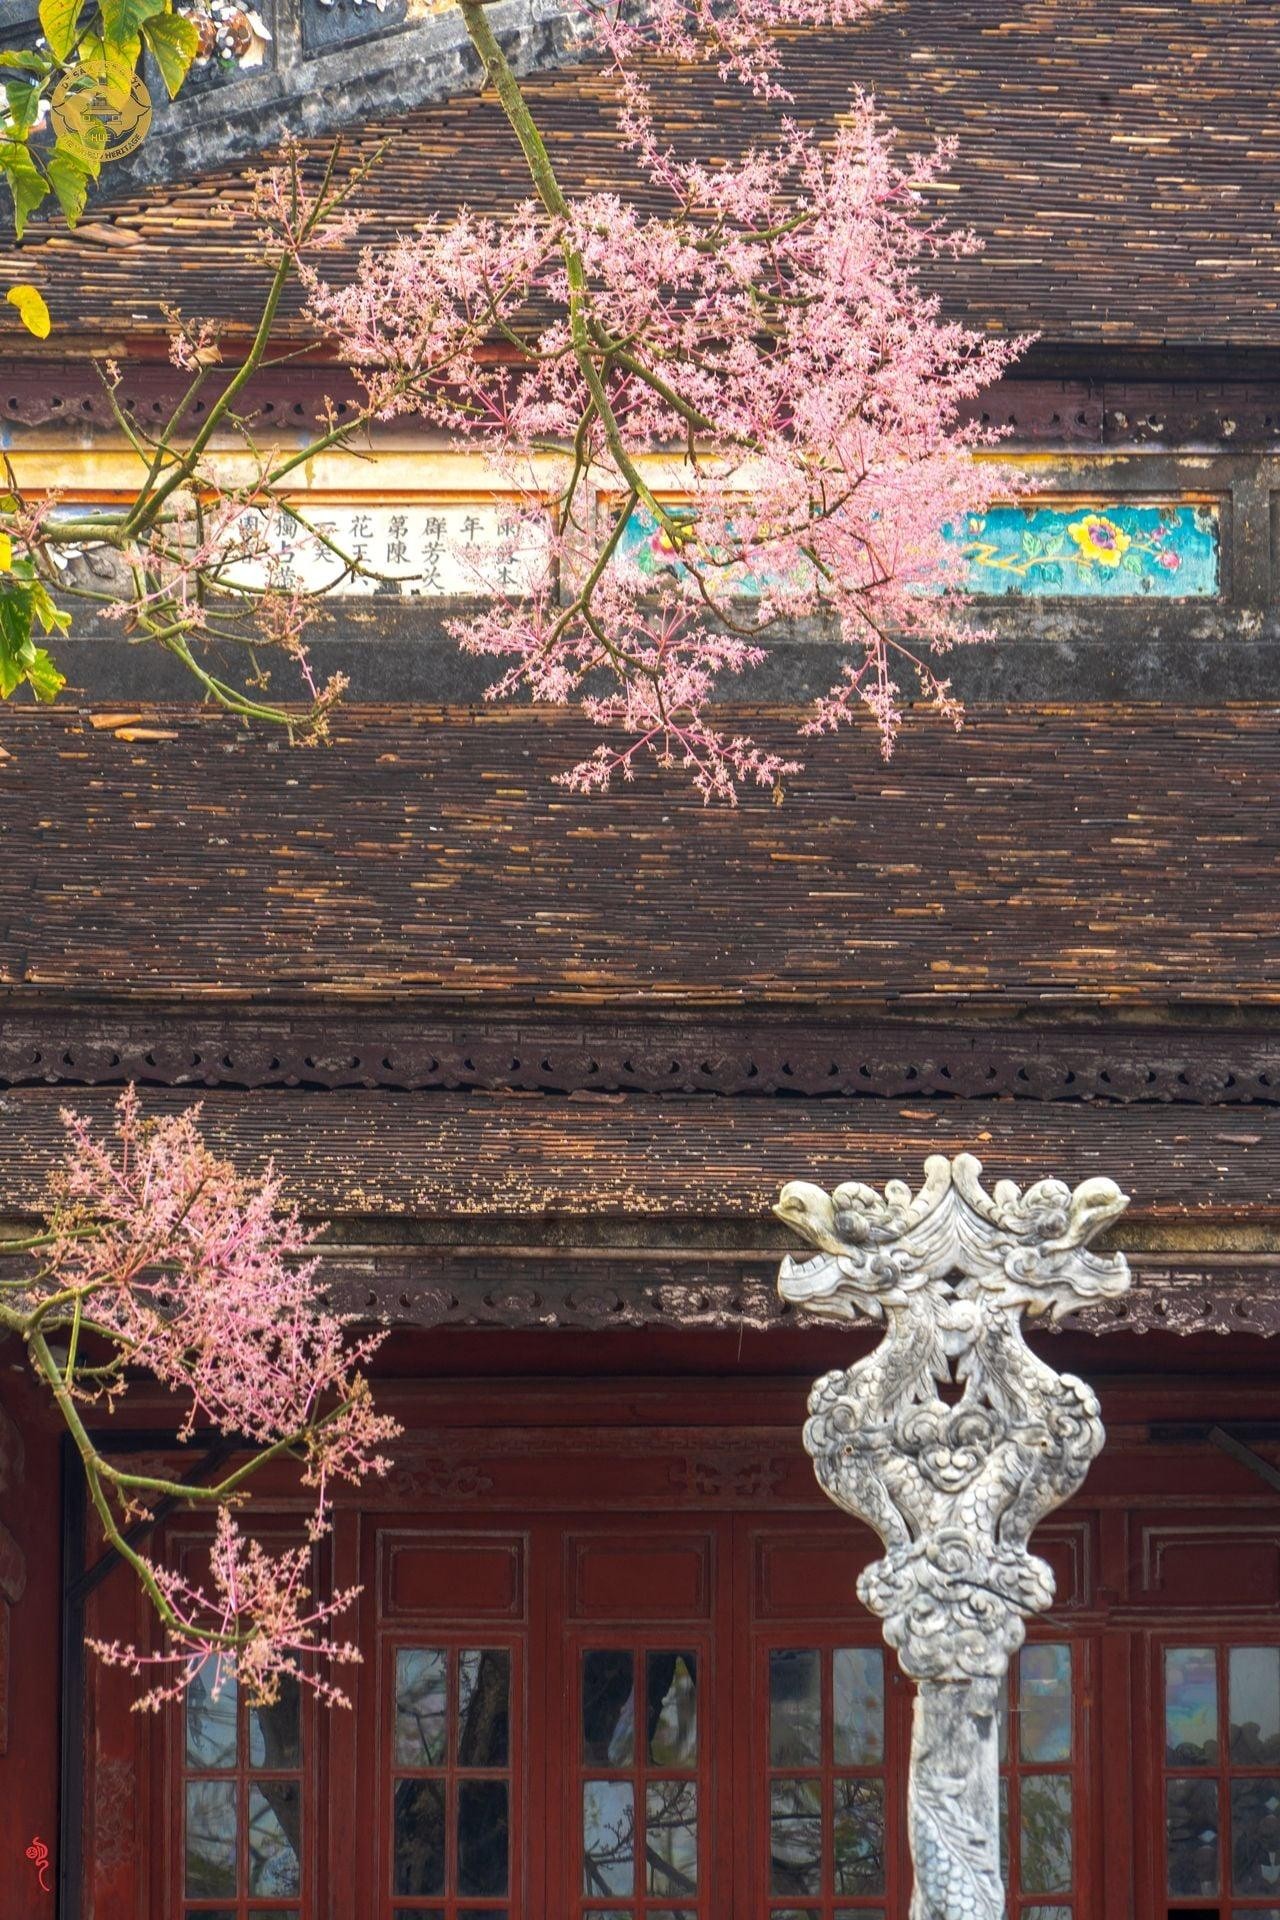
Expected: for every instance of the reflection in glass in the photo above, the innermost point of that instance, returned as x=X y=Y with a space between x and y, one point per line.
x=795 y=1707
x=484 y=1690
x=1191 y=1706
x=274 y=1735
x=671 y=1694
x=210 y=1838
x=275 y=1811
x=483 y=1825
x=1046 y=1913
x=419 y=1836
x=1044 y=1702
x=1002 y=1717
x=211 y=1724
x=1045 y=1836
x=608 y=1707
x=857 y=1684
x=608 y=1836
x=1004 y=1830
x=795 y=1837
x=1191 y=1836
x=422 y=1679
x=858 y=1836
x=671 y=1837
x=1255 y=1835
x=1254 y=1694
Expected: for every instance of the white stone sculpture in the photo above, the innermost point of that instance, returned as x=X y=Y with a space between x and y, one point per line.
x=953 y=1440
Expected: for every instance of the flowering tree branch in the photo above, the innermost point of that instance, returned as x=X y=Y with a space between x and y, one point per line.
x=159 y=1258
x=726 y=412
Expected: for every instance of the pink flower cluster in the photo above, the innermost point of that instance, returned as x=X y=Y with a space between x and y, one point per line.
x=181 y=1266
x=762 y=352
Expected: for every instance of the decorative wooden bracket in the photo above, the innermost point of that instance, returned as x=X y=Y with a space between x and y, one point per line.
x=953 y=1440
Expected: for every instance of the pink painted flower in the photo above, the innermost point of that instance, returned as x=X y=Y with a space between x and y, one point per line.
x=1169 y=559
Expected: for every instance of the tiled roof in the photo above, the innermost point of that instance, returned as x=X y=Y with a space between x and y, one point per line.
x=1045 y=857
x=1122 y=162
x=458 y=1156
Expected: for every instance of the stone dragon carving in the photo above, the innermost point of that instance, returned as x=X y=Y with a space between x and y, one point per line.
x=953 y=1440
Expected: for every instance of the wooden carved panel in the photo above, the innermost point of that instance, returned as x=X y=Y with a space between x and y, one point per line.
x=443 y=1576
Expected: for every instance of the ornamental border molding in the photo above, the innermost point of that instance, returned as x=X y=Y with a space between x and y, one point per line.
x=332 y=1049
x=953 y=1440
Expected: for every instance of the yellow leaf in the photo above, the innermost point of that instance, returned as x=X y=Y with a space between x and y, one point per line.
x=32 y=310
x=6 y=553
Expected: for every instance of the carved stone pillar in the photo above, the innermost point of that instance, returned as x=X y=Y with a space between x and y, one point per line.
x=953 y=1440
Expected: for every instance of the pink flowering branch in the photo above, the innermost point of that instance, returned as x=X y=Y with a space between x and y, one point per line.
x=159 y=1257
x=754 y=373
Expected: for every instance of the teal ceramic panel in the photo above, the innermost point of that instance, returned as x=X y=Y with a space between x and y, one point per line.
x=1113 y=550
x=648 y=549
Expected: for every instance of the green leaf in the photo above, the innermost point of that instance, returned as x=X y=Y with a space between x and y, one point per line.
x=58 y=20
x=122 y=20
x=26 y=62
x=175 y=42
x=70 y=169
x=26 y=183
x=121 y=58
x=44 y=678
x=23 y=97
x=15 y=634
x=46 y=610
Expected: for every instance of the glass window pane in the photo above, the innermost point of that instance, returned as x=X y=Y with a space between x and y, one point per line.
x=795 y=1837
x=1255 y=1705
x=1004 y=1828
x=1044 y=1703
x=858 y=1836
x=210 y=1838
x=671 y=1837
x=1255 y=1835
x=1191 y=1828
x=422 y=1680
x=671 y=1682
x=1045 y=1838
x=274 y=1732
x=1048 y=1913
x=795 y=1708
x=419 y=1836
x=484 y=1707
x=608 y=1836
x=275 y=1841
x=857 y=1684
x=1191 y=1706
x=211 y=1724
x=608 y=1707
x=1002 y=1716
x=483 y=1828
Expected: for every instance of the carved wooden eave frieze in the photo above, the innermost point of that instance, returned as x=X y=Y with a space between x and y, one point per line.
x=601 y=1291
x=953 y=1440
x=343 y=1045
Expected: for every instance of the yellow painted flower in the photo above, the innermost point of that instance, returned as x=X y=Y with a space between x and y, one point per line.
x=1100 y=539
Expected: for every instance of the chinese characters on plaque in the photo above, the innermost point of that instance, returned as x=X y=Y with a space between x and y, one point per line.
x=462 y=548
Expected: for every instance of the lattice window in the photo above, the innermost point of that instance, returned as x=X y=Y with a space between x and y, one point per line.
x=1040 y=1781
x=242 y=1805
x=642 y=1783
x=826 y=1744
x=1222 y=1781
x=452 y=1743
